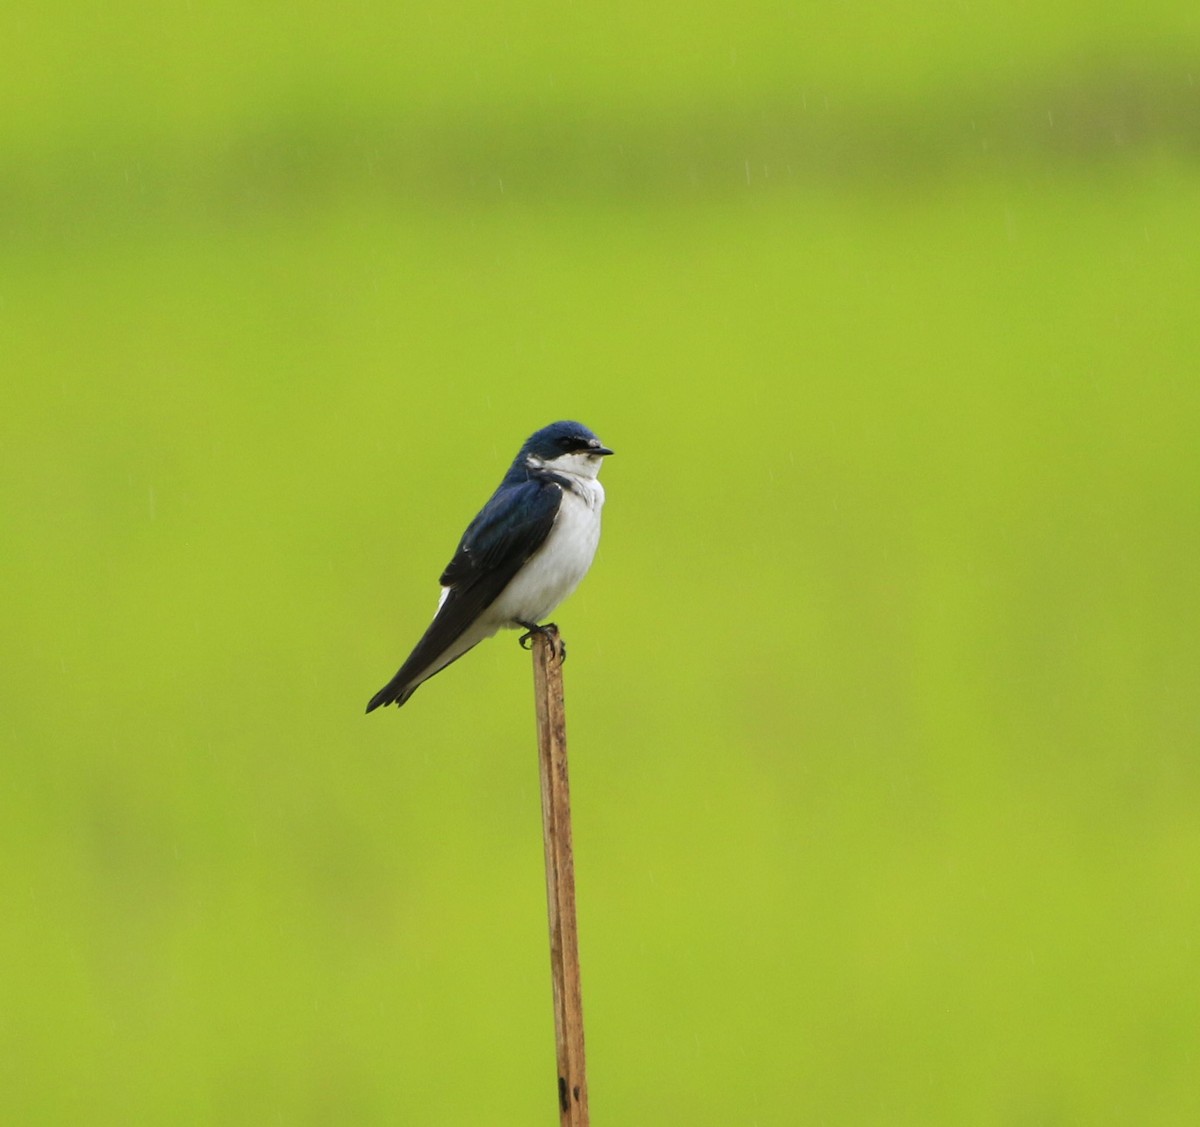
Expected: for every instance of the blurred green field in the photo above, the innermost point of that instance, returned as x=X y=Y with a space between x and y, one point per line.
x=883 y=692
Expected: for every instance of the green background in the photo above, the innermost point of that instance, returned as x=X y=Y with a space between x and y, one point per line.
x=883 y=693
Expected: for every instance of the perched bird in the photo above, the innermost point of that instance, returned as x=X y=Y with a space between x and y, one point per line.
x=520 y=557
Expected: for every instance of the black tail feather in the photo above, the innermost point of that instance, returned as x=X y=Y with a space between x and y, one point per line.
x=394 y=692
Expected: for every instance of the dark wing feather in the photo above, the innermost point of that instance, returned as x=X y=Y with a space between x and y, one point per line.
x=508 y=530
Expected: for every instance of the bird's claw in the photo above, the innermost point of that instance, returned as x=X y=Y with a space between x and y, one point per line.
x=549 y=632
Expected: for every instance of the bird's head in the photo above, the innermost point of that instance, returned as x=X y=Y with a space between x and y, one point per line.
x=564 y=447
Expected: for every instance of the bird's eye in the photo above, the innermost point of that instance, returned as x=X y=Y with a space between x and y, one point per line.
x=566 y=443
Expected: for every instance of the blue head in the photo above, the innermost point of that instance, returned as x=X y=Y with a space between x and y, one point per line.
x=563 y=447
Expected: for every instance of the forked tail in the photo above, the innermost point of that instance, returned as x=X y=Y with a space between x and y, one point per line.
x=396 y=692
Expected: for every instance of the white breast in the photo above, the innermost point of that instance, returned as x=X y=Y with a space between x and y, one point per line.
x=555 y=570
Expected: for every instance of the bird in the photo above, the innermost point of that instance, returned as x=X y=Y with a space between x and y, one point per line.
x=526 y=550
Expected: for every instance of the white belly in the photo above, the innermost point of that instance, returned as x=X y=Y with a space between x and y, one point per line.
x=555 y=570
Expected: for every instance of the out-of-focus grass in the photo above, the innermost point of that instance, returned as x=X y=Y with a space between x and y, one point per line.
x=82 y=72
x=881 y=693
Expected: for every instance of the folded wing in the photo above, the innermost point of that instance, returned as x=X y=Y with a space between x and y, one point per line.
x=509 y=529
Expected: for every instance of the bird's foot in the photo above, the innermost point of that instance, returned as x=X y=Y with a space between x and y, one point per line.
x=550 y=632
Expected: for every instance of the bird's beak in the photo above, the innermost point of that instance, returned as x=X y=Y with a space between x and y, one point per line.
x=600 y=451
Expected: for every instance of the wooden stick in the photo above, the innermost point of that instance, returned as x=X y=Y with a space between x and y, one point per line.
x=560 y=878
